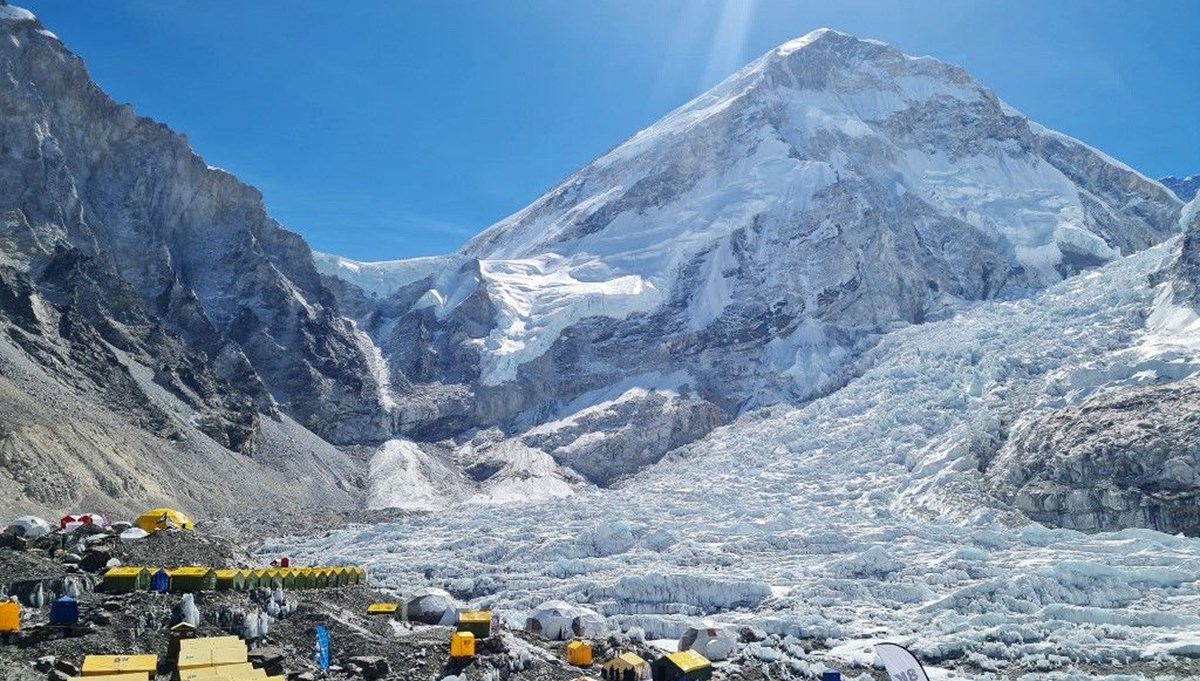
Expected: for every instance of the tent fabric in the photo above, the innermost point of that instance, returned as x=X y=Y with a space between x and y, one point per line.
x=432 y=606
x=164 y=518
x=30 y=526
x=710 y=639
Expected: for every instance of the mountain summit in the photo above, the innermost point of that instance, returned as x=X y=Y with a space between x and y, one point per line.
x=745 y=249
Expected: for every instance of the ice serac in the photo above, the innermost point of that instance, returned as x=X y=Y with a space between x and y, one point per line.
x=754 y=241
x=1126 y=452
x=141 y=281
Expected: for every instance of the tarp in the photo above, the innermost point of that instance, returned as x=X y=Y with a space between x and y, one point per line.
x=901 y=664
x=30 y=526
x=710 y=639
x=322 y=647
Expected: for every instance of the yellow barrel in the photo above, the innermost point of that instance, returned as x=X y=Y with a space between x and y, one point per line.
x=10 y=617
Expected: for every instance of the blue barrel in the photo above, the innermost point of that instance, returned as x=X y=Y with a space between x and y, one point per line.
x=64 y=611
x=830 y=675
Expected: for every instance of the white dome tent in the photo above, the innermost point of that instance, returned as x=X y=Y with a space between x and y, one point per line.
x=30 y=527
x=552 y=620
x=432 y=606
x=588 y=623
x=710 y=639
x=133 y=534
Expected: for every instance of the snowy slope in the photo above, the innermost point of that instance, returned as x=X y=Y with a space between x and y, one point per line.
x=855 y=515
x=757 y=240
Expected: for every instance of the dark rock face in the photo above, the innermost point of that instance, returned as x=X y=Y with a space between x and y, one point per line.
x=119 y=245
x=1130 y=458
x=1185 y=273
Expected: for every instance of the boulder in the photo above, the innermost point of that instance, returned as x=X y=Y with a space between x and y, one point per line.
x=372 y=666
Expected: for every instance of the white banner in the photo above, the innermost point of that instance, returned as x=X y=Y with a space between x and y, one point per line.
x=899 y=663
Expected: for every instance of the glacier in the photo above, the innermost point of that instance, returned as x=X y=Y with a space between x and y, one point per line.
x=853 y=518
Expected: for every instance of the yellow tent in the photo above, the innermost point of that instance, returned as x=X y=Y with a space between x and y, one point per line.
x=617 y=667
x=187 y=579
x=478 y=622
x=127 y=676
x=579 y=654
x=382 y=608
x=126 y=579
x=163 y=518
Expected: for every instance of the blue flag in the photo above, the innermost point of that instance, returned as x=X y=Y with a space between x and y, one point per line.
x=322 y=647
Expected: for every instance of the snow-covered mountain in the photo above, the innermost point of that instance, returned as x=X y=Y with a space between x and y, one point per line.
x=741 y=252
x=1184 y=187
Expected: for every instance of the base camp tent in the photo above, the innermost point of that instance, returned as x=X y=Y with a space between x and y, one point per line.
x=126 y=579
x=625 y=667
x=30 y=527
x=710 y=639
x=72 y=522
x=687 y=665
x=552 y=619
x=588 y=623
x=162 y=519
x=133 y=534
x=478 y=622
x=231 y=580
x=432 y=606
x=189 y=579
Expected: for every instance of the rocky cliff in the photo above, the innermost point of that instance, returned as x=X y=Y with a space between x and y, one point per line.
x=154 y=288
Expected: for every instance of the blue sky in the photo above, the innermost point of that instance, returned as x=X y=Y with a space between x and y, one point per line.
x=382 y=129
